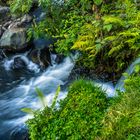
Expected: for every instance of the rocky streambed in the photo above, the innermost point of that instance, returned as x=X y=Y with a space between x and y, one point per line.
x=25 y=65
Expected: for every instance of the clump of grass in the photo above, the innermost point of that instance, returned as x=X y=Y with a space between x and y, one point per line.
x=122 y=120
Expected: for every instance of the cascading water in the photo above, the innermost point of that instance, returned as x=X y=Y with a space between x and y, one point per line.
x=110 y=88
x=129 y=71
x=17 y=90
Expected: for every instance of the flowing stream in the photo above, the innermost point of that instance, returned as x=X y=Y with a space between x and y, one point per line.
x=17 y=90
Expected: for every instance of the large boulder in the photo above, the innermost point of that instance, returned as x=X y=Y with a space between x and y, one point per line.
x=14 y=39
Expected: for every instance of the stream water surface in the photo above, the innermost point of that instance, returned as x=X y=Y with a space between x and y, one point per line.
x=17 y=90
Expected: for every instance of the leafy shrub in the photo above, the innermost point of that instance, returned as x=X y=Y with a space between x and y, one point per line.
x=19 y=6
x=113 y=37
x=103 y=30
x=78 y=117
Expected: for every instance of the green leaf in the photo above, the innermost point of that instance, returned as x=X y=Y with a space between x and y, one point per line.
x=98 y=2
x=107 y=27
x=41 y=97
x=98 y=47
x=55 y=98
x=137 y=68
x=28 y=110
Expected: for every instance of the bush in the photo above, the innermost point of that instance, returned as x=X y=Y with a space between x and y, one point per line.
x=102 y=30
x=122 y=121
x=78 y=117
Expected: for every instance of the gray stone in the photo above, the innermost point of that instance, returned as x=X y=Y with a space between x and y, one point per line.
x=6 y=24
x=4 y=14
x=4 y=10
x=26 y=19
x=21 y=22
x=14 y=39
x=1 y=31
x=19 y=63
x=15 y=25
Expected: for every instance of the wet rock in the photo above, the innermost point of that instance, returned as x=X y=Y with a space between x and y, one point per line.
x=22 y=22
x=4 y=13
x=26 y=19
x=14 y=39
x=45 y=57
x=15 y=25
x=2 y=54
x=59 y=58
x=41 y=57
x=4 y=10
x=19 y=63
x=6 y=24
x=1 y=30
x=41 y=54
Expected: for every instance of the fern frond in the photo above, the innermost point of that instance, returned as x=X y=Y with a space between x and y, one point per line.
x=113 y=20
x=115 y=49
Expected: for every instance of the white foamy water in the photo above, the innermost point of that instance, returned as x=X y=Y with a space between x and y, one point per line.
x=108 y=87
x=30 y=65
x=24 y=95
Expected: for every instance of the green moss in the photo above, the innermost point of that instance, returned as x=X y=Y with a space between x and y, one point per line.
x=79 y=115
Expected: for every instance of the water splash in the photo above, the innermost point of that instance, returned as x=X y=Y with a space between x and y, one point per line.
x=108 y=87
x=7 y=64
x=23 y=95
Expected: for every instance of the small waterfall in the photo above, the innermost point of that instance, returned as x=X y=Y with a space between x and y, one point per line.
x=110 y=89
x=129 y=71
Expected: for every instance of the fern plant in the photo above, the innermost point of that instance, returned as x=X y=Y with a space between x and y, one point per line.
x=19 y=6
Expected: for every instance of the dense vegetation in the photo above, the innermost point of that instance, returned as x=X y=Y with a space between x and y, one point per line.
x=79 y=115
x=107 y=35
x=100 y=29
x=122 y=120
x=86 y=113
